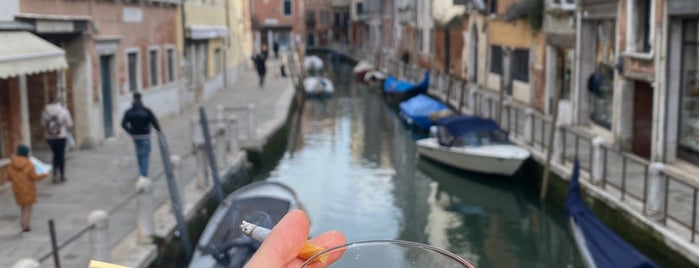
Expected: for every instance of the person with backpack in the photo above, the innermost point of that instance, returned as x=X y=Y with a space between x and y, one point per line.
x=137 y=122
x=56 y=120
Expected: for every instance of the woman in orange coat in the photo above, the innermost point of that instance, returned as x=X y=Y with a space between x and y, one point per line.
x=22 y=175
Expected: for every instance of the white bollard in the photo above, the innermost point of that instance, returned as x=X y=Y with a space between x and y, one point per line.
x=252 y=127
x=655 y=203
x=99 y=236
x=144 y=206
x=472 y=100
x=202 y=176
x=558 y=142
x=528 y=125
x=597 y=161
x=26 y=263
x=176 y=161
x=220 y=116
x=221 y=149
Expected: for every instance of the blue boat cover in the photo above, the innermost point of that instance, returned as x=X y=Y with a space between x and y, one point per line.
x=419 y=108
x=392 y=84
x=605 y=246
x=461 y=124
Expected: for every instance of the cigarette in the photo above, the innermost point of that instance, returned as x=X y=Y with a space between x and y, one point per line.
x=259 y=233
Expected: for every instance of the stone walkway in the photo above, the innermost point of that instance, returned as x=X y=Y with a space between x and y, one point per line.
x=104 y=179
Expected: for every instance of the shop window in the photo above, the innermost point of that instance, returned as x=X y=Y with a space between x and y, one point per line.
x=496 y=60
x=641 y=23
x=132 y=65
x=688 y=147
x=153 y=64
x=600 y=83
x=520 y=65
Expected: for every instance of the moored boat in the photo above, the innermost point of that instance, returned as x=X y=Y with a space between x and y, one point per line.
x=396 y=90
x=313 y=63
x=362 y=68
x=222 y=244
x=417 y=110
x=598 y=245
x=318 y=85
x=474 y=144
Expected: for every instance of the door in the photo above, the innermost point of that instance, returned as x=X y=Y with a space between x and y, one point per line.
x=642 y=119
x=106 y=78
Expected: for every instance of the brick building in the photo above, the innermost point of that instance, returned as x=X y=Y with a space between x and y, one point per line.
x=282 y=21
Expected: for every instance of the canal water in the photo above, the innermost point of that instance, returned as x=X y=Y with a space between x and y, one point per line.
x=354 y=166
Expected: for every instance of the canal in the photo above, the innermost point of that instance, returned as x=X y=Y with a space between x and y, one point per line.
x=354 y=166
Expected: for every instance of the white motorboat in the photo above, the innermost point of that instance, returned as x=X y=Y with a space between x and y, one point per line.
x=473 y=144
x=313 y=63
x=318 y=85
x=374 y=76
x=362 y=68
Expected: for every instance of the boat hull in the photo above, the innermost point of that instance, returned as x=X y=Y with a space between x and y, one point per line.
x=474 y=160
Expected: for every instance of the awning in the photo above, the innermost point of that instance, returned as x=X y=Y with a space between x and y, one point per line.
x=199 y=32
x=25 y=53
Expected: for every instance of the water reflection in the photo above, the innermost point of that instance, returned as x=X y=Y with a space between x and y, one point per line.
x=355 y=169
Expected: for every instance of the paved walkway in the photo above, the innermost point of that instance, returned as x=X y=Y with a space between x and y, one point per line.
x=104 y=178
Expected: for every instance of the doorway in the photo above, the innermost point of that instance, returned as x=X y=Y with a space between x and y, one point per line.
x=106 y=83
x=642 y=119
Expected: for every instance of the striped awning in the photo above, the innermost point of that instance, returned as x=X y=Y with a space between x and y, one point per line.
x=23 y=53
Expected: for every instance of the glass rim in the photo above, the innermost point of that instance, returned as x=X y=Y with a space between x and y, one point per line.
x=395 y=242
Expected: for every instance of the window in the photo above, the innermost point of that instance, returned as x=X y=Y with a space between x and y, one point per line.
x=132 y=65
x=520 y=65
x=287 y=8
x=600 y=83
x=688 y=147
x=153 y=63
x=496 y=60
x=431 y=41
x=640 y=21
x=324 y=17
x=217 y=61
x=493 y=6
x=170 y=54
x=337 y=19
x=360 y=8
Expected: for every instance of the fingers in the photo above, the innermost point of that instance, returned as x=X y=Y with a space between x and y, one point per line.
x=283 y=243
x=327 y=240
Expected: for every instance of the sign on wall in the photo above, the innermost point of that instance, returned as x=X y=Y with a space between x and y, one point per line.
x=132 y=14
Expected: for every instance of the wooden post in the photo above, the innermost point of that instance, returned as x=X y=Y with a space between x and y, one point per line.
x=549 y=151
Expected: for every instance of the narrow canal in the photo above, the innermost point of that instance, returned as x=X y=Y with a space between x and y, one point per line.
x=354 y=165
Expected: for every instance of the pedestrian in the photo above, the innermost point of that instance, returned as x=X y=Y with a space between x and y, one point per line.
x=265 y=51
x=260 y=66
x=137 y=121
x=275 y=48
x=21 y=174
x=56 y=120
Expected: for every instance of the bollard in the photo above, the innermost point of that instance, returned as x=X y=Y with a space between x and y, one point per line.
x=233 y=134
x=252 y=128
x=26 y=263
x=221 y=149
x=597 y=161
x=528 y=125
x=99 y=235
x=144 y=207
x=220 y=115
x=176 y=161
x=558 y=142
x=471 y=100
x=655 y=203
x=201 y=175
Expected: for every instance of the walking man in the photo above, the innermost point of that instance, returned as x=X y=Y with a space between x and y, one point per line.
x=137 y=122
x=260 y=66
x=56 y=120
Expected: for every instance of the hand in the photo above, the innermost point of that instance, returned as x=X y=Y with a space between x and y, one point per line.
x=286 y=239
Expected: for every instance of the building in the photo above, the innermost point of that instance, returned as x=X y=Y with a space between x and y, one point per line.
x=449 y=27
x=341 y=20
x=112 y=51
x=560 y=32
x=318 y=21
x=357 y=29
x=280 y=21
x=31 y=70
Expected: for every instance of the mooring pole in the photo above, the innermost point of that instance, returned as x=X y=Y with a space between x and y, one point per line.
x=218 y=190
x=54 y=245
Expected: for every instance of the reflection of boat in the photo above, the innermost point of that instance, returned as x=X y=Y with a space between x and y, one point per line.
x=598 y=245
x=317 y=85
x=474 y=144
x=222 y=244
x=362 y=68
x=313 y=63
x=417 y=110
x=396 y=90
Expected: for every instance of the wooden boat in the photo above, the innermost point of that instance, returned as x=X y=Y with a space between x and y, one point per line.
x=318 y=85
x=598 y=245
x=362 y=68
x=474 y=144
x=417 y=111
x=222 y=244
x=396 y=90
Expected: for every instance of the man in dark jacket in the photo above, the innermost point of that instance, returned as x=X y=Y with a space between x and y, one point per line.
x=259 y=60
x=136 y=122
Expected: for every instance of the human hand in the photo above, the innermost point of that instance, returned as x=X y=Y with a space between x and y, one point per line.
x=286 y=239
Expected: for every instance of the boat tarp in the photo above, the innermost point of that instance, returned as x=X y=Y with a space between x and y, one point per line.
x=419 y=108
x=395 y=85
x=606 y=247
x=461 y=124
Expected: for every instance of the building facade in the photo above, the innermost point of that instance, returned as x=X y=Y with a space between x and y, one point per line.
x=280 y=21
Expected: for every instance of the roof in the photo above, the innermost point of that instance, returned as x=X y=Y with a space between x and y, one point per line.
x=460 y=124
x=25 y=53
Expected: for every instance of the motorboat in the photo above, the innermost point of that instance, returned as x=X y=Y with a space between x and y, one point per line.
x=374 y=76
x=318 y=85
x=222 y=244
x=362 y=68
x=474 y=144
x=599 y=246
x=313 y=63
x=417 y=110
x=396 y=90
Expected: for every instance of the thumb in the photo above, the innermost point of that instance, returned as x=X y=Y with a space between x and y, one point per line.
x=283 y=243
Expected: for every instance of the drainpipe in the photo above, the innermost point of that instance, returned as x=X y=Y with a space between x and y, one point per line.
x=226 y=43
x=447 y=46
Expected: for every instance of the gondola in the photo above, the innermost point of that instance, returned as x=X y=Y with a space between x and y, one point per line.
x=396 y=90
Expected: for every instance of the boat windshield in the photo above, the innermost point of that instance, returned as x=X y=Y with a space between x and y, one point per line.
x=473 y=139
